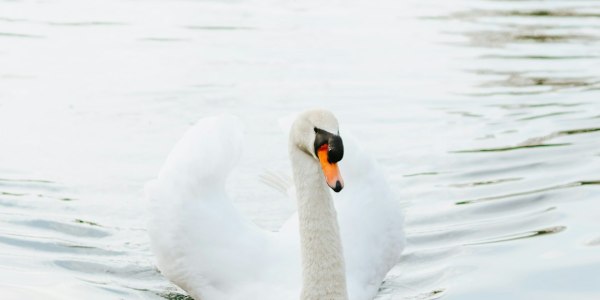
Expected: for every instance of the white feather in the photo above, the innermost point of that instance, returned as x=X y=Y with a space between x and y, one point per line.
x=203 y=244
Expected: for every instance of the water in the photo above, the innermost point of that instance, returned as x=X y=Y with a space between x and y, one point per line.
x=484 y=113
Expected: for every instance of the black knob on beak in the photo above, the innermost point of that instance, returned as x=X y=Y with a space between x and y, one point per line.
x=336 y=149
x=334 y=144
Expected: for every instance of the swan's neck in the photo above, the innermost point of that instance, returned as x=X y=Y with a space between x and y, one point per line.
x=323 y=270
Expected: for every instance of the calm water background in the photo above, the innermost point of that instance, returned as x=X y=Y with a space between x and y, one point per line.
x=486 y=115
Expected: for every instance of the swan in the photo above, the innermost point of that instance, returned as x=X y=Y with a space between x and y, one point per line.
x=330 y=249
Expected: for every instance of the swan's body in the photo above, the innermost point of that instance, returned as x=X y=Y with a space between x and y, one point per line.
x=205 y=246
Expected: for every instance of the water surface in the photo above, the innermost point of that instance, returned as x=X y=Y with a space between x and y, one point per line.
x=485 y=114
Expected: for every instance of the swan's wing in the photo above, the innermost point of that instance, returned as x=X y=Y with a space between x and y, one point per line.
x=200 y=240
x=279 y=181
x=371 y=221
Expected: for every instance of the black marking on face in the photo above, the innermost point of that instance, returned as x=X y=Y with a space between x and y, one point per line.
x=335 y=151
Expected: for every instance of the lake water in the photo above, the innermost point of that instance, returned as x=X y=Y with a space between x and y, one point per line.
x=485 y=114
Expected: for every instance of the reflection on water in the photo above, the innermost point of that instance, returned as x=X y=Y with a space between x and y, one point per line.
x=484 y=113
x=536 y=191
x=513 y=32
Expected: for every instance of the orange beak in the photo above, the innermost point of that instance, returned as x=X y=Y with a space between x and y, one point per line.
x=332 y=172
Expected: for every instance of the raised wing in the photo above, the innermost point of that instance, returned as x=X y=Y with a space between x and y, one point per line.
x=200 y=240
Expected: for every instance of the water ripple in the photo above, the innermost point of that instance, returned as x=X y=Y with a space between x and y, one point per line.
x=511 y=148
x=37 y=244
x=521 y=235
x=65 y=228
x=531 y=192
x=20 y=35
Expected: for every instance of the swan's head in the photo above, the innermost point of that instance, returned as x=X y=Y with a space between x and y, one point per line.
x=316 y=133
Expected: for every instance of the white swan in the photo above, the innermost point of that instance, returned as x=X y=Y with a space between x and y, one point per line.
x=203 y=244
